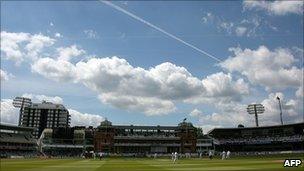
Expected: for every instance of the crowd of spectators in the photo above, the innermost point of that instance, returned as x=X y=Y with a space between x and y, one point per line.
x=63 y=153
x=146 y=134
x=262 y=140
x=17 y=154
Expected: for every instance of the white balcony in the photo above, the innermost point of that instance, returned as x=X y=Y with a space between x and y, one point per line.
x=133 y=137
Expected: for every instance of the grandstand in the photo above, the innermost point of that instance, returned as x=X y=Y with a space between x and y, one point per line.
x=204 y=144
x=63 y=142
x=139 y=140
x=130 y=139
x=16 y=141
x=288 y=137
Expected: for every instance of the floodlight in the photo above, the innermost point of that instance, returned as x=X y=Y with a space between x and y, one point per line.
x=255 y=109
x=20 y=102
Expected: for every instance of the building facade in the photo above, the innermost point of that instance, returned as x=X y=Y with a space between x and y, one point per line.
x=62 y=141
x=44 y=115
x=16 y=140
x=119 y=139
x=204 y=144
x=287 y=137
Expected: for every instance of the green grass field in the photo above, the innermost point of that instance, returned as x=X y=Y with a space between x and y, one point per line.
x=137 y=164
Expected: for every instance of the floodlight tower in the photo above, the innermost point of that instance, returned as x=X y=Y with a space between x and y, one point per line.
x=278 y=98
x=255 y=109
x=21 y=102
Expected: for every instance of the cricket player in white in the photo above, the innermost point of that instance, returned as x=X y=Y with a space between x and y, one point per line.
x=172 y=156
x=210 y=155
x=175 y=157
x=223 y=155
x=228 y=154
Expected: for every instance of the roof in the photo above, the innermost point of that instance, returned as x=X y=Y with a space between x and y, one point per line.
x=47 y=105
x=206 y=136
x=16 y=128
x=256 y=128
x=145 y=127
x=105 y=123
x=17 y=138
x=185 y=124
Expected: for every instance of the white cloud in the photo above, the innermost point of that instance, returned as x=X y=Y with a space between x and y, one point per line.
x=91 y=34
x=40 y=98
x=10 y=45
x=84 y=119
x=36 y=43
x=276 y=7
x=299 y=92
x=221 y=88
x=195 y=113
x=148 y=105
x=272 y=69
x=229 y=115
x=224 y=119
x=292 y=109
x=115 y=80
x=66 y=53
x=208 y=17
x=226 y=26
x=21 y=46
x=207 y=127
x=298 y=52
x=247 y=27
x=157 y=89
x=57 y=70
x=9 y=114
x=240 y=31
x=60 y=69
x=51 y=24
x=4 y=75
x=221 y=23
x=222 y=85
x=58 y=35
x=252 y=26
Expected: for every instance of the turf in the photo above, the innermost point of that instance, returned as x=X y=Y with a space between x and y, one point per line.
x=137 y=164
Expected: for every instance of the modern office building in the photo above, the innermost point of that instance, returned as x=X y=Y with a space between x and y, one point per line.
x=44 y=115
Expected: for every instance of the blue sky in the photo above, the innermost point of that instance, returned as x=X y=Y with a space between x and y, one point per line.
x=102 y=31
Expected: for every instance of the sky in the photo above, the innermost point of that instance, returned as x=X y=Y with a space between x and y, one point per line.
x=155 y=62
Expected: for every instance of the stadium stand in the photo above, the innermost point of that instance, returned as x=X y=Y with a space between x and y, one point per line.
x=144 y=140
x=139 y=140
x=288 y=137
x=204 y=144
x=16 y=141
x=63 y=142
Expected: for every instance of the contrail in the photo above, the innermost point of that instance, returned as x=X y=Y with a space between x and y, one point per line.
x=159 y=29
